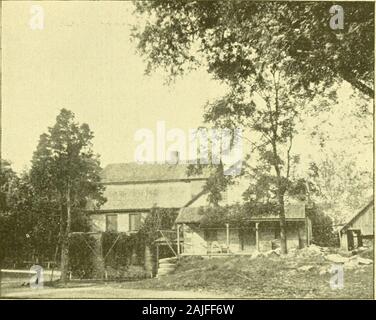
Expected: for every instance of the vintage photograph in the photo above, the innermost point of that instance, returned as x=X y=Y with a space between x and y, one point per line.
x=177 y=149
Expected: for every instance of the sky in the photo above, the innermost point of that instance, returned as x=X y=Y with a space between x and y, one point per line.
x=83 y=60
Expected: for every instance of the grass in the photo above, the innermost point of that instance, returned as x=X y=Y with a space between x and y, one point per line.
x=264 y=277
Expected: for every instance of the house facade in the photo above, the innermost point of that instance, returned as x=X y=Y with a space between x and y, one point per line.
x=133 y=189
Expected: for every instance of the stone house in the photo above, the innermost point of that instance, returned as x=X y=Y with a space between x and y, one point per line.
x=133 y=189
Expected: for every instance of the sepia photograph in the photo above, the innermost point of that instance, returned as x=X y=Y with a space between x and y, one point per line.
x=178 y=149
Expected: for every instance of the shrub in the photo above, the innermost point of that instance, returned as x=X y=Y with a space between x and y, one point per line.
x=322 y=228
x=81 y=256
x=119 y=253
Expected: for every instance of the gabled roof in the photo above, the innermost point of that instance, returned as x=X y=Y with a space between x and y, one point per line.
x=118 y=173
x=363 y=209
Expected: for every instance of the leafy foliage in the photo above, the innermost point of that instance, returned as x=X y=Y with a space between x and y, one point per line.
x=81 y=257
x=65 y=172
x=236 y=215
x=64 y=160
x=119 y=253
x=275 y=57
x=322 y=228
x=158 y=219
x=229 y=35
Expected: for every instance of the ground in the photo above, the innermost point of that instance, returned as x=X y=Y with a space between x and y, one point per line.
x=304 y=274
x=301 y=274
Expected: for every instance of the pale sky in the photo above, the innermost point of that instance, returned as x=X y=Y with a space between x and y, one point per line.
x=83 y=60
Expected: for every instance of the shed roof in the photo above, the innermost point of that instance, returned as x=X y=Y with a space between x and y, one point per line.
x=293 y=212
x=358 y=214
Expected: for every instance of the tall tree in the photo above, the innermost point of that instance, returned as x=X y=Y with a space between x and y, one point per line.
x=268 y=107
x=247 y=45
x=66 y=170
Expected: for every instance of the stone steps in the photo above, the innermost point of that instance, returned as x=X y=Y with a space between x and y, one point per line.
x=166 y=266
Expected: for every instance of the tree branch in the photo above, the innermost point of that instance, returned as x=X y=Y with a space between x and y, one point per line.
x=359 y=85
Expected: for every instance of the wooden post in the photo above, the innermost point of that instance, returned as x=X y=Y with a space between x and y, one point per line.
x=182 y=232
x=308 y=230
x=257 y=237
x=227 y=236
x=178 y=238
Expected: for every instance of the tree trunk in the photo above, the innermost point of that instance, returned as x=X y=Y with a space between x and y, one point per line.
x=64 y=263
x=64 y=259
x=358 y=85
x=148 y=260
x=280 y=188
x=281 y=201
x=282 y=225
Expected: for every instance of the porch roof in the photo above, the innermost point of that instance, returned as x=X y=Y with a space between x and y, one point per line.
x=293 y=212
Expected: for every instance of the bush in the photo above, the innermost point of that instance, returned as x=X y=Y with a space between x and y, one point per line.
x=322 y=228
x=119 y=254
x=117 y=251
x=81 y=257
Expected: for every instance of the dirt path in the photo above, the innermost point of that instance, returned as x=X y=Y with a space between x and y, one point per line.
x=104 y=292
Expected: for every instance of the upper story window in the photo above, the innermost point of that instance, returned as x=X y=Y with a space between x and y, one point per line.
x=112 y=222
x=134 y=221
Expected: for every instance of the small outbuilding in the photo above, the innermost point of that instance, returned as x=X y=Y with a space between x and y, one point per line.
x=359 y=229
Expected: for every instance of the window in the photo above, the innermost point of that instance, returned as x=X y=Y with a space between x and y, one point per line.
x=111 y=222
x=134 y=221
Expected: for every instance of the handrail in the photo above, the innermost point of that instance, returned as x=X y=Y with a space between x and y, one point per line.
x=168 y=242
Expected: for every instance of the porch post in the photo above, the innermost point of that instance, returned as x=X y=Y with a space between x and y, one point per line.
x=178 y=238
x=257 y=237
x=227 y=236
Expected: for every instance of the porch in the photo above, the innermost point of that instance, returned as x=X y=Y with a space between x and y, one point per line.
x=240 y=238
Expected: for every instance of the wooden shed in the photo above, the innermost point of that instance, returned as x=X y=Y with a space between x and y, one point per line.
x=359 y=229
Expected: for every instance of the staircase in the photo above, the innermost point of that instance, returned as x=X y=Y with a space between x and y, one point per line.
x=166 y=266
